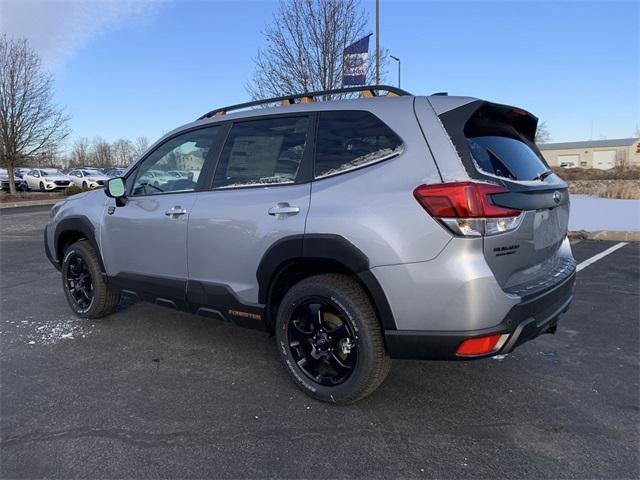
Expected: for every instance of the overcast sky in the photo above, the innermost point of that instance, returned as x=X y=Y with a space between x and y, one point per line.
x=126 y=68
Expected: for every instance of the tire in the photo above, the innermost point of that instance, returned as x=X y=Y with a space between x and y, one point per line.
x=84 y=185
x=41 y=187
x=341 y=294
x=101 y=299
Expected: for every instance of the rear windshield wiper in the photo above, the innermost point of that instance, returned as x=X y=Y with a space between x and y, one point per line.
x=542 y=175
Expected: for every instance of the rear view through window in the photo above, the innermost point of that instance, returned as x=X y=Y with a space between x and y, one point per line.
x=351 y=139
x=499 y=142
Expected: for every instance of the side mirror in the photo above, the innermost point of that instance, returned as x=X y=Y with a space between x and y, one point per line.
x=116 y=188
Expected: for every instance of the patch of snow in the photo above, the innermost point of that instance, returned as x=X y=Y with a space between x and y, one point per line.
x=50 y=331
x=499 y=357
x=593 y=213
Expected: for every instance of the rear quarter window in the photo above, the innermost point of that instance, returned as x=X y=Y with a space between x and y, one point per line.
x=352 y=139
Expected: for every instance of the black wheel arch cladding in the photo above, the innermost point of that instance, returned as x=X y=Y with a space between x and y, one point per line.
x=330 y=248
x=75 y=227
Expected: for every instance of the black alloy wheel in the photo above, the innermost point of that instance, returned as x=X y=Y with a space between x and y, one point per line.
x=79 y=282
x=322 y=342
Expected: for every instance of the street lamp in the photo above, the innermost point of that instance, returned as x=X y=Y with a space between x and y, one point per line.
x=397 y=60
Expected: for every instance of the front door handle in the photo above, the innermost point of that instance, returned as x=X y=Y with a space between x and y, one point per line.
x=283 y=209
x=175 y=212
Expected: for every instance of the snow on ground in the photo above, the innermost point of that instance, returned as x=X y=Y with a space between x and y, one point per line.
x=52 y=330
x=592 y=213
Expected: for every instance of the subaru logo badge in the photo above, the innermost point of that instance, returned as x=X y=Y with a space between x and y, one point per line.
x=557 y=197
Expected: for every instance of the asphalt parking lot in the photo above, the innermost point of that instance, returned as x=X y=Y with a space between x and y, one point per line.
x=150 y=392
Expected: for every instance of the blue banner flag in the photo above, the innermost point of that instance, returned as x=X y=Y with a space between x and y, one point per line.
x=355 y=60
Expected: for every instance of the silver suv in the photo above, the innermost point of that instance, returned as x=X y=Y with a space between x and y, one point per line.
x=355 y=230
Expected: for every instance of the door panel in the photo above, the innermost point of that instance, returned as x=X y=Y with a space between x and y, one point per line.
x=230 y=230
x=140 y=238
x=145 y=241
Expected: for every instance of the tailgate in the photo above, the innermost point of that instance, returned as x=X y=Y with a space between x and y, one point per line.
x=496 y=144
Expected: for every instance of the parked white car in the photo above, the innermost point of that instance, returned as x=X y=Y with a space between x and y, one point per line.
x=88 y=178
x=46 y=179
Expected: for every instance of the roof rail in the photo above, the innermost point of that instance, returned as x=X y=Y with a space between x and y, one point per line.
x=367 y=91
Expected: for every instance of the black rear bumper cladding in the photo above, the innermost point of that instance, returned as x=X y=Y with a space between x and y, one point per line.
x=524 y=322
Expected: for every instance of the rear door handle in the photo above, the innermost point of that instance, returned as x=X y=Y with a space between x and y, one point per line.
x=175 y=212
x=283 y=209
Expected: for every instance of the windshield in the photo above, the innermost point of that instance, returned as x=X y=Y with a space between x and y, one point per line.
x=91 y=172
x=50 y=171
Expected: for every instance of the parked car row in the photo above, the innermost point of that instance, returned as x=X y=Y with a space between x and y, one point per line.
x=53 y=179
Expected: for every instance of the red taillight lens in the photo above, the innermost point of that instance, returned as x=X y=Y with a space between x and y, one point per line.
x=462 y=200
x=478 y=346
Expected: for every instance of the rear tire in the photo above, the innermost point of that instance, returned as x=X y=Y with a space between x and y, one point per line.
x=85 y=288
x=337 y=300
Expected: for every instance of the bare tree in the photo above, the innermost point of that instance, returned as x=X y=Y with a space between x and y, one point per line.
x=123 y=152
x=101 y=153
x=542 y=133
x=304 y=47
x=140 y=146
x=80 y=154
x=30 y=123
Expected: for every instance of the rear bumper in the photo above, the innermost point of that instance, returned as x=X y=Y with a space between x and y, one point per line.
x=524 y=322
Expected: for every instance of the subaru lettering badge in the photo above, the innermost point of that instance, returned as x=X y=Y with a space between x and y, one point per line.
x=556 y=197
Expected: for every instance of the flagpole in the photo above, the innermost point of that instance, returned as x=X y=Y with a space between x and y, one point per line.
x=377 y=42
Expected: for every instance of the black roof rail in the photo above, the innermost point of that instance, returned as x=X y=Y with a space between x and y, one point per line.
x=440 y=94
x=367 y=90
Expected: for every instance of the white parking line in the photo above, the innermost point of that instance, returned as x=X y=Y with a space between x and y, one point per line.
x=597 y=257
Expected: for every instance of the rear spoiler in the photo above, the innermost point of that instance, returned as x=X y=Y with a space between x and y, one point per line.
x=457 y=119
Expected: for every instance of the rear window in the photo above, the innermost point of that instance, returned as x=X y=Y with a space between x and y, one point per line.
x=505 y=157
x=495 y=140
x=352 y=139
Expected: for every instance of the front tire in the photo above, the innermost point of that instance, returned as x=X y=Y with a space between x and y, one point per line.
x=84 y=186
x=41 y=187
x=330 y=339
x=85 y=288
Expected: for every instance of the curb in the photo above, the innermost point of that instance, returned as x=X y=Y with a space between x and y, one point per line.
x=29 y=203
x=611 y=235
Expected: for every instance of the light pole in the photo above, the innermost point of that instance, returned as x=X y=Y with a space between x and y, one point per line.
x=377 y=42
x=397 y=60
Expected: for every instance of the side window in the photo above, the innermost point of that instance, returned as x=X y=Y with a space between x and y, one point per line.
x=262 y=152
x=351 y=139
x=185 y=153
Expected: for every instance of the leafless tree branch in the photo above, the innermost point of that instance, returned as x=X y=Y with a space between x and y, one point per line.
x=30 y=123
x=304 y=46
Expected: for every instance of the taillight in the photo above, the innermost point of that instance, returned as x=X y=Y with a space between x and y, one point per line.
x=466 y=208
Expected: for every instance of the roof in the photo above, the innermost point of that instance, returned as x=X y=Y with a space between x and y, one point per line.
x=619 y=142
